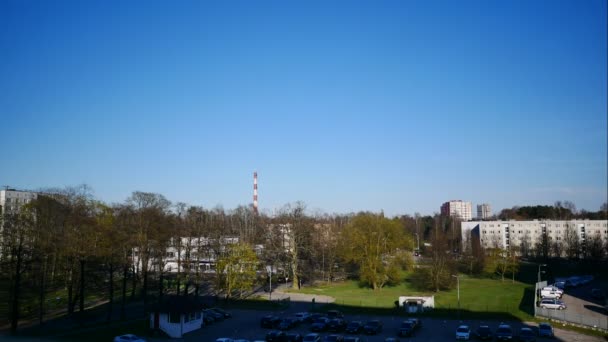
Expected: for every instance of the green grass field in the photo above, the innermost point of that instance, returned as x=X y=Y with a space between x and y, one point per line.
x=478 y=297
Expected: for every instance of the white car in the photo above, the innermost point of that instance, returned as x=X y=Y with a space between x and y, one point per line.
x=549 y=303
x=548 y=293
x=554 y=289
x=463 y=333
x=129 y=338
x=302 y=316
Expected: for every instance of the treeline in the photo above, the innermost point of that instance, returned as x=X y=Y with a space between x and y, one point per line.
x=66 y=249
x=559 y=211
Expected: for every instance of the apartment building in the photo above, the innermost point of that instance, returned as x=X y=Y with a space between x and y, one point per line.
x=523 y=235
x=484 y=211
x=12 y=200
x=457 y=208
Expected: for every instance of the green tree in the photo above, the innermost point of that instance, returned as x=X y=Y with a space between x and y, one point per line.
x=373 y=243
x=236 y=269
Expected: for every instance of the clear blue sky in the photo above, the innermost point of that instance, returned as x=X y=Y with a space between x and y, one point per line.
x=345 y=105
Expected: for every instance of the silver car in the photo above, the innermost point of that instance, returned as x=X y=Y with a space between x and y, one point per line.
x=551 y=303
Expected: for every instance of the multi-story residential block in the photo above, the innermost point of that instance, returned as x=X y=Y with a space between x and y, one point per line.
x=189 y=254
x=457 y=208
x=484 y=211
x=526 y=236
x=12 y=200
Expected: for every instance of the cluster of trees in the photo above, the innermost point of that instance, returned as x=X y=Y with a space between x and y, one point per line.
x=565 y=210
x=68 y=244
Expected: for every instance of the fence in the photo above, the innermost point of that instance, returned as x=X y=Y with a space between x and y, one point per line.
x=566 y=316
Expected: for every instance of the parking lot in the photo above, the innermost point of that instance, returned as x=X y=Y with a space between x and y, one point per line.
x=582 y=307
x=245 y=324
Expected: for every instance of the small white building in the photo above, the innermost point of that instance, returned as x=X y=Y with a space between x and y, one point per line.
x=177 y=315
x=416 y=304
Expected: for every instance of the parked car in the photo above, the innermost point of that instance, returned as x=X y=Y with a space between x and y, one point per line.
x=336 y=325
x=276 y=336
x=526 y=335
x=354 y=327
x=287 y=323
x=549 y=293
x=223 y=312
x=129 y=338
x=312 y=338
x=504 y=333
x=320 y=324
x=372 y=327
x=302 y=317
x=333 y=338
x=586 y=279
x=334 y=314
x=575 y=281
x=270 y=322
x=293 y=337
x=484 y=332
x=316 y=316
x=208 y=319
x=216 y=315
x=548 y=303
x=560 y=285
x=407 y=328
x=351 y=339
x=545 y=330
x=463 y=332
x=554 y=289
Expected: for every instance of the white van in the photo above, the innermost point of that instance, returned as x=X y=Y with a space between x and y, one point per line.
x=554 y=288
x=549 y=293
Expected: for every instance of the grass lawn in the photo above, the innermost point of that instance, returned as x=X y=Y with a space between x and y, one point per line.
x=478 y=297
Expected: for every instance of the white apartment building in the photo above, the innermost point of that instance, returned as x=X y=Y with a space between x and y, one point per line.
x=458 y=208
x=507 y=234
x=484 y=211
x=190 y=253
x=12 y=200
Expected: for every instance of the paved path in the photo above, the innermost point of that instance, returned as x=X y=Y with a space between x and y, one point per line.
x=279 y=293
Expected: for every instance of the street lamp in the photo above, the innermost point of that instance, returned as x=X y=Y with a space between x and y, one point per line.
x=458 y=288
x=539 y=266
x=269 y=270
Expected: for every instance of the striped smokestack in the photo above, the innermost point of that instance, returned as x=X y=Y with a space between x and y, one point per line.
x=255 y=192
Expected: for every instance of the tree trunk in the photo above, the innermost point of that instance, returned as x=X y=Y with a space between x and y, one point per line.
x=70 y=292
x=111 y=292
x=160 y=287
x=125 y=271
x=42 y=293
x=144 y=288
x=82 y=262
x=134 y=285
x=16 y=293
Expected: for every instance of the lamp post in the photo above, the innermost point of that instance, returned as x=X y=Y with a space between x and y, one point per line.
x=539 y=266
x=269 y=269
x=458 y=289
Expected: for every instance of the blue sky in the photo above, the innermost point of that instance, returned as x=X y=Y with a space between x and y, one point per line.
x=345 y=105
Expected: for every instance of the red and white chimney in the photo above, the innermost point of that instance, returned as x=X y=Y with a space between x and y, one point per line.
x=255 y=192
